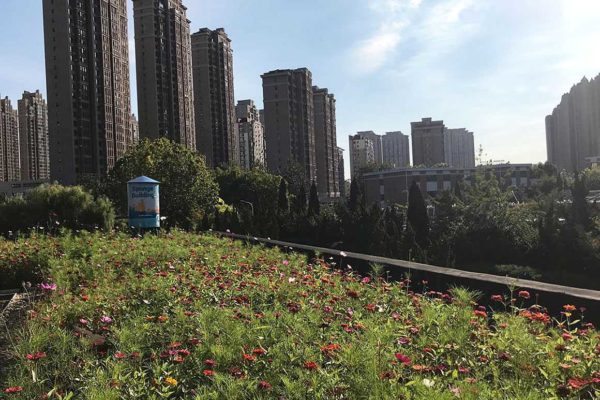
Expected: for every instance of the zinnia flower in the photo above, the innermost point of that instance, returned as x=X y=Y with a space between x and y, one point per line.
x=36 y=356
x=404 y=359
x=524 y=294
x=569 y=307
x=171 y=381
x=208 y=372
x=264 y=385
x=310 y=365
x=13 y=389
x=48 y=287
x=497 y=297
x=106 y=319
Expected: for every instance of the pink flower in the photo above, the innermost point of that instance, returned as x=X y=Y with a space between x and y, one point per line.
x=524 y=294
x=84 y=321
x=497 y=297
x=365 y=280
x=48 y=287
x=36 y=356
x=106 y=319
x=285 y=262
x=13 y=389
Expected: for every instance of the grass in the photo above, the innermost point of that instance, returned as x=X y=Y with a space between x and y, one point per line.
x=185 y=316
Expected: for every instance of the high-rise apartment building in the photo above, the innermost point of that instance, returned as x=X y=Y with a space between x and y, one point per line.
x=87 y=78
x=326 y=144
x=573 y=128
x=362 y=153
x=341 y=172
x=212 y=63
x=10 y=169
x=251 y=135
x=459 y=148
x=33 y=137
x=428 y=142
x=395 y=148
x=377 y=145
x=164 y=71
x=135 y=130
x=289 y=124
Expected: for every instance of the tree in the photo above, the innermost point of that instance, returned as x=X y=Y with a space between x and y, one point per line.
x=282 y=201
x=314 y=207
x=187 y=187
x=300 y=202
x=354 y=199
x=580 y=209
x=417 y=215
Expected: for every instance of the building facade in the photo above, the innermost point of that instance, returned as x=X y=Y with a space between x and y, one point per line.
x=362 y=154
x=326 y=152
x=10 y=168
x=135 y=130
x=377 y=145
x=87 y=78
x=212 y=63
x=251 y=135
x=341 y=172
x=164 y=71
x=395 y=148
x=573 y=128
x=459 y=148
x=34 y=141
x=289 y=124
x=392 y=186
x=428 y=142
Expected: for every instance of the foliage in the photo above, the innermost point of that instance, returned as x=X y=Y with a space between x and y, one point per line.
x=51 y=207
x=417 y=215
x=314 y=207
x=283 y=204
x=197 y=317
x=188 y=190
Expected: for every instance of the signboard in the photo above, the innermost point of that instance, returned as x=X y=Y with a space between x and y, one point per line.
x=143 y=203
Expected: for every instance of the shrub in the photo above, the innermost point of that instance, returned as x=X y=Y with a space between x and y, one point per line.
x=51 y=207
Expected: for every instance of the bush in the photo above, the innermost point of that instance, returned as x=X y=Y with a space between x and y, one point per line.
x=188 y=190
x=51 y=207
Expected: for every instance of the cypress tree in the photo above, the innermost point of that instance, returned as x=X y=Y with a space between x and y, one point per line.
x=579 y=209
x=301 y=201
x=314 y=208
x=354 y=198
x=417 y=215
x=282 y=202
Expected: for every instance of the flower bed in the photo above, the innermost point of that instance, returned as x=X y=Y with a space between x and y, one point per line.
x=188 y=316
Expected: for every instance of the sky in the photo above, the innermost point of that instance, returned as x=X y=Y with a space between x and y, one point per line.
x=495 y=67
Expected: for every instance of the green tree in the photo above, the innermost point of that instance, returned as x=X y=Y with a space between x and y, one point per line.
x=187 y=187
x=417 y=215
x=354 y=199
x=580 y=209
x=314 y=207
x=282 y=200
x=300 y=201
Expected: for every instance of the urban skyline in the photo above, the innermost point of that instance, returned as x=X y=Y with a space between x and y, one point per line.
x=490 y=109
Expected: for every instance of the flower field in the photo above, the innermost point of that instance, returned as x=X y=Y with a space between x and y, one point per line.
x=185 y=316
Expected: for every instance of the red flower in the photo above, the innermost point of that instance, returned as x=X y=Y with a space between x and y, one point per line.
x=479 y=313
x=524 y=294
x=577 y=383
x=36 y=356
x=569 y=307
x=13 y=389
x=330 y=348
x=264 y=385
x=403 y=358
x=249 y=357
x=259 y=351
x=119 y=355
x=310 y=365
x=208 y=372
x=567 y=337
x=209 y=362
x=497 y=297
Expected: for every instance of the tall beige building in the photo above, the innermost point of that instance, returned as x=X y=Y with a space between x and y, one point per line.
x=251 y=135
x=33 y=132
x=573 y=128
x=289 y=124
x=10 y=169
x=395 y=149
x=428 y=142
x=459 y=148
x=377 y=145
x=87 y=78
x=164 y=71
x=362 y=153
x=212 y=62
x=135 y=130
x=326 y=144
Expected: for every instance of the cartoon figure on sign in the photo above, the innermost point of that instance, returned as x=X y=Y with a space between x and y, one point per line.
x=143 y=203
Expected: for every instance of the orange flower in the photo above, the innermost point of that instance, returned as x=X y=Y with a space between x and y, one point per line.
x=569 y=307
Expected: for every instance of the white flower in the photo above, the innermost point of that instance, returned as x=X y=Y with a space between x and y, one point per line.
x=428 y=382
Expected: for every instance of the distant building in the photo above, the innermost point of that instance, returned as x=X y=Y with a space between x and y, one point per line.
x=377 y=145
x=10 y=168
x=87 y=78
x=395 y=148
x=18 y=187
x=163 y=56
x=135 y=130
x=392 y=186
x=212 y=60
x=573 y=128
x=341 y=172
x=459 y=148
x=326 y=145
x=362 y=153
x=251 y=135
x=428 y=142
x=33 y=132
x=289 y=124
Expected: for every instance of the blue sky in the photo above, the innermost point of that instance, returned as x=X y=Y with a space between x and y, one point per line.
x=496 y=67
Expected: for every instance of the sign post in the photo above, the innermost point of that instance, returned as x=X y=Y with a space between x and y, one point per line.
x=143 y=203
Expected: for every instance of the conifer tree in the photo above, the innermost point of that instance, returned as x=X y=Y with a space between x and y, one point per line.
x=314 y=208
x=417 y=215
x=282 y=201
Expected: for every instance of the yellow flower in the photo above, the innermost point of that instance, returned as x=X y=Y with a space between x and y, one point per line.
x=171 y=381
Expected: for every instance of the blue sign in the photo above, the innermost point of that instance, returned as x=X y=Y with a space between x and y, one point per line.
x=143 y=203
